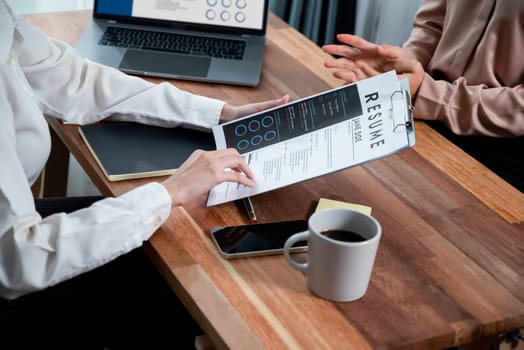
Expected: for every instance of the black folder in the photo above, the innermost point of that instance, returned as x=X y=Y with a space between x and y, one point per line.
x=131 y=150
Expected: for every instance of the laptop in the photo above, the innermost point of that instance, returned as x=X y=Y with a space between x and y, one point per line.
x=219 y=41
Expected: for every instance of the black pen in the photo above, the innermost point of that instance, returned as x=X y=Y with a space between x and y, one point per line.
x=250 y=210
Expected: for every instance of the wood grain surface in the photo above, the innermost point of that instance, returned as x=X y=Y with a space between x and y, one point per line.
x=450 y=264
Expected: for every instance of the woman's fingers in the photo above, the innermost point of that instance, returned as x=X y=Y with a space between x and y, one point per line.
x=205 y=169
x=341 y=50
x=260 y=106
x=230 y=158
x=230 y=112
x=367 y=70
x=340 y=63
x=390 y=52
x=346 y=76
x=360 y=59
x=356 y=42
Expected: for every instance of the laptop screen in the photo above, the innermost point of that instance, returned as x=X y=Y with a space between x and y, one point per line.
x=247 y=14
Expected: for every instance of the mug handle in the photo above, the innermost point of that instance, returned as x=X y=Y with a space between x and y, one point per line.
x=297 y=237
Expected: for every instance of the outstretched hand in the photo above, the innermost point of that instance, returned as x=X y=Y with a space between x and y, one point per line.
x=230 y=112
x=205 y=169
x=352 y=53
x=359 y=59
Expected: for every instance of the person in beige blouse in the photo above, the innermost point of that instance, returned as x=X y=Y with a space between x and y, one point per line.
x=464 y=61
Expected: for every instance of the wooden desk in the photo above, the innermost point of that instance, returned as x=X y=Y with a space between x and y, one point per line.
x=450 y=266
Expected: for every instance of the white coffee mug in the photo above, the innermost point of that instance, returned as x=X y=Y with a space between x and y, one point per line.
x=339 y=263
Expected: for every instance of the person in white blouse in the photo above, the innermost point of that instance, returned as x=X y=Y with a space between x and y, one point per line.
x=40 y=76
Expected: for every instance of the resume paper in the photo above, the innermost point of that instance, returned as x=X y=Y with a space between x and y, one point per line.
x=317 y=135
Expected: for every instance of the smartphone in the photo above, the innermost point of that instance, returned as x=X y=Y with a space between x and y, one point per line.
x=257 y=239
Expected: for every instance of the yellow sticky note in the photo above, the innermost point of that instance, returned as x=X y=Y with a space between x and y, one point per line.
x=324 y=203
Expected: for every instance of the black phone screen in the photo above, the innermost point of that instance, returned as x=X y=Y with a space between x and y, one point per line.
x=257 y=239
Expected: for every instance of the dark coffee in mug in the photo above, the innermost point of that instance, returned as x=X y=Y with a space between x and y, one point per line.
x=343 y=235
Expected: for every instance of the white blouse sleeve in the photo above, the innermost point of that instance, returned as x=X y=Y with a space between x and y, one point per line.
x=80 y=91
x=36 y=253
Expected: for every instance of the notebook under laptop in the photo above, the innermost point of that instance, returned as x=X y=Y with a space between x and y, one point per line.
x=218 y=41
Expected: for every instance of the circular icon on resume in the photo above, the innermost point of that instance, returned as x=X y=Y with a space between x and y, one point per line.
x=240 y=17
x=267 y=121
x=240 y=130
x=270 y=135
x=226 y=3
x=211 y=14
x=256 y=140
x=254 y=125
x=211 y=2
x=242 y=145
x=225 y=15
x=241 y=4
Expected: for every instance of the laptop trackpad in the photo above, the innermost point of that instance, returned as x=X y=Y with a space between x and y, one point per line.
x=159 y=62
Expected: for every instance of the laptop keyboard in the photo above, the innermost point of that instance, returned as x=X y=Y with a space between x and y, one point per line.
x=176 y=43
